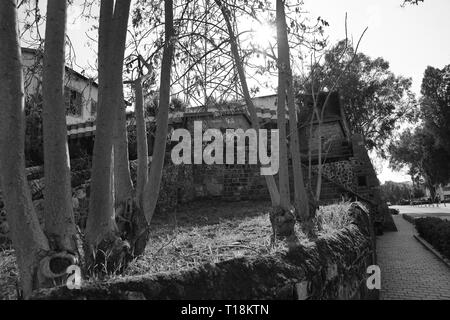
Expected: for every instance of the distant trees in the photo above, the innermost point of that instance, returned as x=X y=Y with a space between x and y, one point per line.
x=435 y=104
x=376 y=100
x=426 y=149
x=418 y=151
x=395 y=192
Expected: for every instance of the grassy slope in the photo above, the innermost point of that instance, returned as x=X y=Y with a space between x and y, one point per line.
x=201 y=232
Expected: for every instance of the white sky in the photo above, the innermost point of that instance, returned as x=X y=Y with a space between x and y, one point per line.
x=410 y=38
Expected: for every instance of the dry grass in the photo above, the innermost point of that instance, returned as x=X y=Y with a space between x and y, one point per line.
x=333 y=217
x=8 y=274
x=201 y=232
x=206 y=232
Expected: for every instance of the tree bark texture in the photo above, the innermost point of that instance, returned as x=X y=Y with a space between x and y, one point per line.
x=28 y=239
x=59 y=222
x=270 y=180
x=152 y=187
x=101 y=230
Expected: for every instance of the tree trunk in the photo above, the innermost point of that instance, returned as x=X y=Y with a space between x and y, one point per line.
x=300 y=196
x=281 y=105
x=59 y=222
x=151 y=190
x=135 y=228
x=305 y=207
x=270 y=180
x=142 y=146
x=123 y=186
x=319 y=158
x=283 y=217
x=101 y=230
x=29 y=241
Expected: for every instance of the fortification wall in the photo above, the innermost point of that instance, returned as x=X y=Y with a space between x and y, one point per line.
x=334 y=267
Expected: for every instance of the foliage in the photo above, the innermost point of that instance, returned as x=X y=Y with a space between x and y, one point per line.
x=416 y=2
x=425 y=158
x=394 y=192
x=426 y=150
x=375 y=100
x=437 y=232
x=418 y=192
x=435 y=104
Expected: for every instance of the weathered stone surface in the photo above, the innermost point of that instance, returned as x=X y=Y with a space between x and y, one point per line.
x=302 y=272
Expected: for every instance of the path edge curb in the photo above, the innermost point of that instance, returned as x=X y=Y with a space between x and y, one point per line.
x=429 y=247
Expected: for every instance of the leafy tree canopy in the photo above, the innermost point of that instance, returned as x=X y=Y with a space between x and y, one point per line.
x=426 y=159
x=375 y=100
x=395 y=192
x=412 y=2
x=435 y=104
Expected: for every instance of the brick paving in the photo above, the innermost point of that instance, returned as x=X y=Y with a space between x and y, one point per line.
x=408 y=270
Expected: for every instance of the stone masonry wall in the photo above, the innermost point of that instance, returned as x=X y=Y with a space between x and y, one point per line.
x=176 y=188
x=334 y=267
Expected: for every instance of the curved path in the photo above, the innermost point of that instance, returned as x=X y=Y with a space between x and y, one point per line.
x=408 y=269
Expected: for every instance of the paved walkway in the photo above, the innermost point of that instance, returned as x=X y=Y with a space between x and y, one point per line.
x=408 y=270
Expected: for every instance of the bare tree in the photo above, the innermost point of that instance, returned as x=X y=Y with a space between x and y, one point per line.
x=301 y=199
x=318 y=112
x=270 y=181
x=123 y=186
x=151 y=190
x=134 y=226
x=103 y=241
x=283 y=47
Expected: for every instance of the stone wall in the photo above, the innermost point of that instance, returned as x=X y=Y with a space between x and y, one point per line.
x=177 y=186
x=353 y=178
x=334 y=267
x=229 y=182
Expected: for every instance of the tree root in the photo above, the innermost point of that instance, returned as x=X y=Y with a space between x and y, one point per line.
x=283 y=222
x=53 y=267
x=110 y=256
x=133 y=226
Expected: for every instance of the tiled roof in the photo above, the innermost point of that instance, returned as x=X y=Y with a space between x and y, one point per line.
x=266 y=109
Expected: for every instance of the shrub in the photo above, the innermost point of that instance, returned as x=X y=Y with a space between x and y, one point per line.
x=437 y=232
x=394 y=211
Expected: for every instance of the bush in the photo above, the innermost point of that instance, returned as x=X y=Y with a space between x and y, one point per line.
x=394 y=211
x=437 y=232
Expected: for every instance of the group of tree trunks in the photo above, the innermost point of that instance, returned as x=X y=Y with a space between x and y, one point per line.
x=120 y=214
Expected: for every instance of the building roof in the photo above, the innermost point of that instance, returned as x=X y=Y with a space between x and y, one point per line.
x=69 y=70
